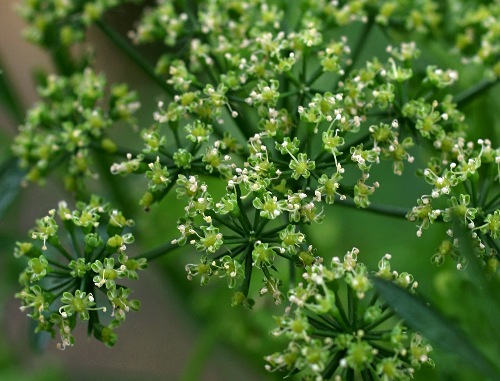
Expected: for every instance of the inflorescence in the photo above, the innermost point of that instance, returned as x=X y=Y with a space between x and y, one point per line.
x=74 y=268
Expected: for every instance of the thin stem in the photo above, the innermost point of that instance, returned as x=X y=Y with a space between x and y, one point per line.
x=314 y=77
x=472 y=92
x=352 y=307
x=75 y=244
x=60 y=285
x=286 y=256
x=56 y=264
x=134 y=55
x=390 y=211
x=272 y=232
x=379 y=321
x=63 y=251
x=492 y=204
x=340 y=307
x=243 y=218
x=232 y=253
x=323 y=333
x=332 y=323
x=260 y=226
x=157 y=252
x=234 y=241
x=333 y=365
x=227 y=224
x=248 y=271
x=58 y=273
x=471 y=190
x=483 y=193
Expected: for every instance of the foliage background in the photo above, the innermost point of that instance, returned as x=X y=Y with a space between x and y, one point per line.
x=177 y=334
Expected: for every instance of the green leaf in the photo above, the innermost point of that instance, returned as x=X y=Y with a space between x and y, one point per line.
x=421 y=317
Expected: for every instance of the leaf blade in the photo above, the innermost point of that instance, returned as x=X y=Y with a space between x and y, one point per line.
x=421 y=317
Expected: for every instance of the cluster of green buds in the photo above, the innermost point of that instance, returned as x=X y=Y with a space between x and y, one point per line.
x=337 y=328
x=73 y=269
x=70 y=123
x=54 y=23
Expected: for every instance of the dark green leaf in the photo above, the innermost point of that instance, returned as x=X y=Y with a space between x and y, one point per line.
x=433 y=325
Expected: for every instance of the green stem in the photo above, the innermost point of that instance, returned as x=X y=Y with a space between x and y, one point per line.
x=272 y=232
x=62 y=250
x=492 y=203
x=56 y=264
x=134 y=55
x=315 y=76
x=286 y=256
x=483 y=193
x=58 y=273
x=227 y=224
x=390 y=211
x=352 y=307
x=366 y=375
x=323 y=333
x=76 y=246
x=333 y=365
x=340 y=307
x=473 y=195
x=260 y=225
x=379 y=321
x=248 y=271
x=60 y=285
x=243 y=218
x=233 y=241
x=232 y=253
x=157 y=252
x=332 y=323
x=472 y=92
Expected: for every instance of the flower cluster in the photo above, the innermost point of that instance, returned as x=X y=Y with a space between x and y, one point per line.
x=55 y=23
x=79 y=277
x=70 y=122
x=460 y=193
x=335 y=336
x=232 y=76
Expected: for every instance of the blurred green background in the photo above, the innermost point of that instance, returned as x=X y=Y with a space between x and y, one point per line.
x=179 y=334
